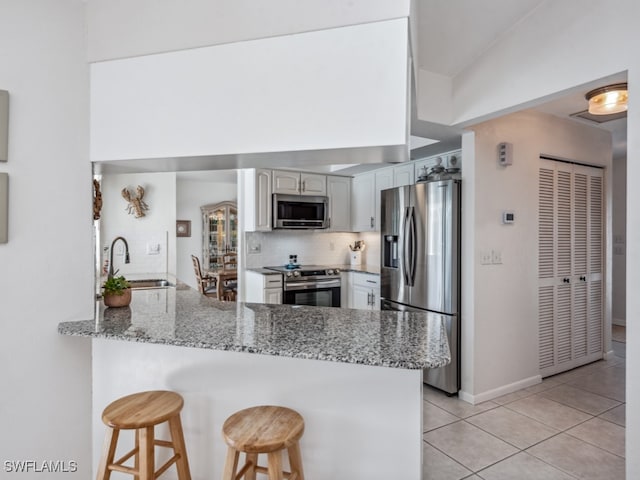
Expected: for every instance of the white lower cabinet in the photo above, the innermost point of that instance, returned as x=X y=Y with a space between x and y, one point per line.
x=364 y=291
x=273 y=295
x=263 y=288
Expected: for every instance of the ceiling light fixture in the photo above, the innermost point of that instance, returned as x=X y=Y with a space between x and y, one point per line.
x=608 y=100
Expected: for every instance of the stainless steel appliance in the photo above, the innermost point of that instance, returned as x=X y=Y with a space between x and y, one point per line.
x=300 y=211
x=310 y=285
x=420 y=264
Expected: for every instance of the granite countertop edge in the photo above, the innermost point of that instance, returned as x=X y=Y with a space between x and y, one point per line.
x=375 y=338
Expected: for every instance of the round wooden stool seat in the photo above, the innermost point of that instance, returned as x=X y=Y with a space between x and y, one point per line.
x=142 y=412
x=265 y=429
x=142 y=409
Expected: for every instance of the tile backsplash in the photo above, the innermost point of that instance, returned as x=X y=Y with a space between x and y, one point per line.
x=312 y=248
x=147 y=251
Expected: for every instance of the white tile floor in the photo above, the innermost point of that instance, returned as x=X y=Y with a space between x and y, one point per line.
x=571 y=426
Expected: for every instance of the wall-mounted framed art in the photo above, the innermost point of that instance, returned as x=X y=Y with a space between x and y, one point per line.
x=183 y=228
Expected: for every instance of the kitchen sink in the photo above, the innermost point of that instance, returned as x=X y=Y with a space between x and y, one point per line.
x=149 y=283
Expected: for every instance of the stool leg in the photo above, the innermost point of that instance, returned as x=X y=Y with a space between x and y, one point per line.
x=251 y=473
x=295 y=460
x=231 y=464
x=179 y=447
x=136 y=457
x=275 y=465
x=146 y=453
x=108 y=452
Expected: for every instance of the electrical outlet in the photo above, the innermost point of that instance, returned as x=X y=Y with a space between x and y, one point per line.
x=255 y=248
x=153 y=248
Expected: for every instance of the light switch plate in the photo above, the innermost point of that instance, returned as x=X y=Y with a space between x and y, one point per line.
x=4 y=208
x=4 y=125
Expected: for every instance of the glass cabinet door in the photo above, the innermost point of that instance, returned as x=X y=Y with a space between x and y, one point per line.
x=219 y=233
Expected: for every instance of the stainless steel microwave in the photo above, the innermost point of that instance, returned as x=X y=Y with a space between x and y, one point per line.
x=300 y=211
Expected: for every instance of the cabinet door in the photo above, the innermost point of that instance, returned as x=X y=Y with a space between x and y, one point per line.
x=404 y=175
x=313 y=184
x=286 y=182
x=273 y=295
x=384 y=180
x=339 y=191
x=363 y=203
x=262 y=200
x=361 y=297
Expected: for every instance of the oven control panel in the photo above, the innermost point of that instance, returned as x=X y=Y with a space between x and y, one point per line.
x=304 y=274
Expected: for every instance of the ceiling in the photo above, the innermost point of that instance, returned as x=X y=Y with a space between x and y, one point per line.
x=452 y=34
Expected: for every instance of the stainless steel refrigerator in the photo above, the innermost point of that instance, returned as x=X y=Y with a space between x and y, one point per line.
x=420 y=264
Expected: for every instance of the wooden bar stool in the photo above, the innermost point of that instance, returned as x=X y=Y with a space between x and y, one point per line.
x=142 y=412
x=264 y=429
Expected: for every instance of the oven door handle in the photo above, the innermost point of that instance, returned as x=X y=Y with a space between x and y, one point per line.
x=293 y=286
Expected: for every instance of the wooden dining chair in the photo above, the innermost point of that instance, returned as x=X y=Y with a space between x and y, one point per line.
x=230 y=284
x=206 y=285
x=230 y=261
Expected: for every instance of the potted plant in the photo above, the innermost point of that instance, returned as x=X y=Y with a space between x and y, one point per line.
x=116 y=292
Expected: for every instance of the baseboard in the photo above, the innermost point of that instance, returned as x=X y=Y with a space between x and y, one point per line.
x=621 y=322
x=609 y=355
x=500 y=391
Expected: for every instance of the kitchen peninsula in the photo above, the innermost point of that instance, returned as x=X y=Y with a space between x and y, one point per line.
x=354 y=375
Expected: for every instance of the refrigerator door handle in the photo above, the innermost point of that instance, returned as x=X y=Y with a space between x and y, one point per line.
x=405 y=246
x=412 y=243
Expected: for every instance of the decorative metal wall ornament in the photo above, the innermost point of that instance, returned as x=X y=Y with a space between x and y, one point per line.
x=136 y=205
x=97 y=200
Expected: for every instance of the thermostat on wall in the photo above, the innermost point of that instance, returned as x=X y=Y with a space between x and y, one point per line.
x=508 y=217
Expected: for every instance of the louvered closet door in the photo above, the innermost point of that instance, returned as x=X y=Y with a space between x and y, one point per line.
x=570 y=226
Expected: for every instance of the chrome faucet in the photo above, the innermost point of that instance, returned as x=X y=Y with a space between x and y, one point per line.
x=126 y=255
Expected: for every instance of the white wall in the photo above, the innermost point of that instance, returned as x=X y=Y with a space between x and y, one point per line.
x=338 y=88
x=179 y=24
x=500 y=311
x=619 y=199
x=190 y=196
x=552 y=50
x=158 y=226
x=46 y=269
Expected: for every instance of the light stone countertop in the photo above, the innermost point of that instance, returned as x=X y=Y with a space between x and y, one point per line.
x=182 y=316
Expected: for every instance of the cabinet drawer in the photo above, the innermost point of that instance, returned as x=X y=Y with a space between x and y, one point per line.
x=272 y=281
x=366 y=280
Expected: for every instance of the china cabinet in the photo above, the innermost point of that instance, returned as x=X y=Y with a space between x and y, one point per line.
x=219 y=233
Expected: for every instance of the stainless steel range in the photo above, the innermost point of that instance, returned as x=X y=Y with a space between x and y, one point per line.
x=310 y=285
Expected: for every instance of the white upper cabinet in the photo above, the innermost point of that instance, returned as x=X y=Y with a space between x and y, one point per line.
x=339 y=192
x=363 y=205
x=257 y=195
x=296 y=183
x=404 y=174
x=365 y=198
x=313 y=184
x=384 y=179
